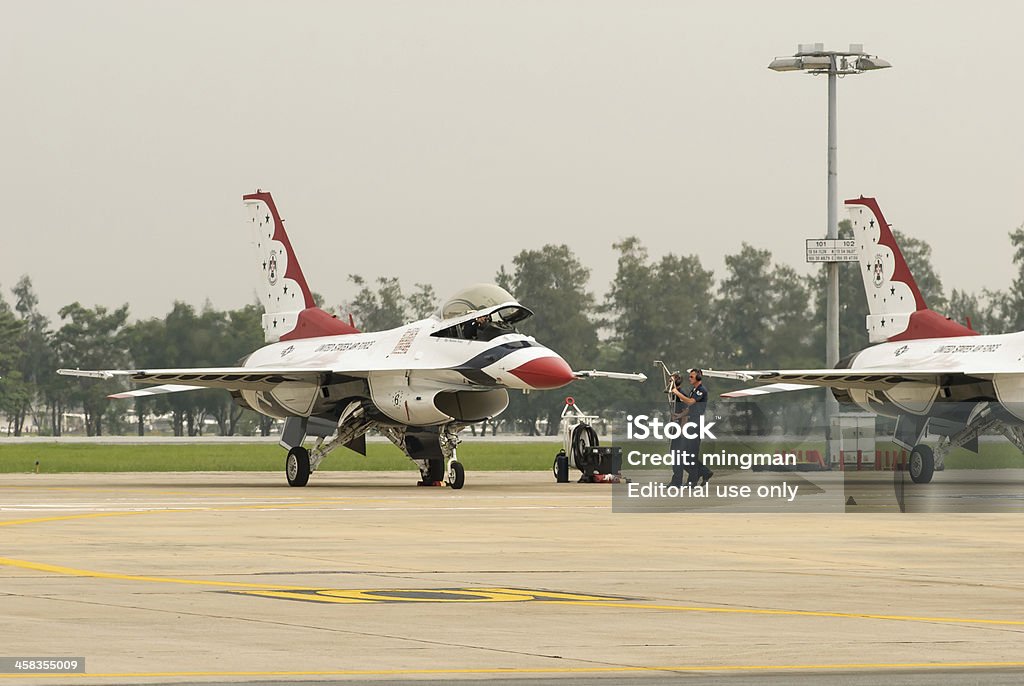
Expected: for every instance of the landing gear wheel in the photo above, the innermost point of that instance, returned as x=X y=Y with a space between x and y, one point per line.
x=456 y=475
x=922 y=464
x=296 y=466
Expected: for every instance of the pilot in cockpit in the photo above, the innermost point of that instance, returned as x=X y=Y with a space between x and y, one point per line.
x=478 y=329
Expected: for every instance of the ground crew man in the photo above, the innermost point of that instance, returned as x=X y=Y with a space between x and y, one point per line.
x=696 y=403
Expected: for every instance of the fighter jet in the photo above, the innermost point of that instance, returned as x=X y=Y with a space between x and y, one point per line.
x=932 y=374
x=418 y=385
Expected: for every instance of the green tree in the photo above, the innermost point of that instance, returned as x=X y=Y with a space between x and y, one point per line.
x=377 y=310
x=763 y=312
x=655 y=311
x=552 y=282
x=37 y=355
x=242 y=334
x=986 y=313
x=1011 y=307
x=90 y=339
x=763 y=323
x=13 y=389
x=181 y=325
x=146 y=341
x=204 y=340
x=423 y=302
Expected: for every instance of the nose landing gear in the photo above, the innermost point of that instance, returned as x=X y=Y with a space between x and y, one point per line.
x=434 y=452
x=456 y=475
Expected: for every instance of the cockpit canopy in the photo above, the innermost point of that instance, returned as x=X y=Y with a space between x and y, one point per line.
x=475 y=297
x=481 y=312
x=511 y=314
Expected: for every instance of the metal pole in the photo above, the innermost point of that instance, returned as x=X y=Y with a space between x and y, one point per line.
x=832 y=304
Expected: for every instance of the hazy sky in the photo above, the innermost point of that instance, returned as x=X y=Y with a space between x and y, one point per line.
x=434 y=140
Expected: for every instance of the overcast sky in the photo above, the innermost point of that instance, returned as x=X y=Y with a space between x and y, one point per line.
x=435 y=140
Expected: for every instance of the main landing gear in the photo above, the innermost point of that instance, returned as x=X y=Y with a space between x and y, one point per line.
x=349 y=429
x=434 y=452
x=296 y=466
x=433 y=449
x=922 y=464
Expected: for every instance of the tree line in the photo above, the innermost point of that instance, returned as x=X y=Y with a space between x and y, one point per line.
x=758 y=314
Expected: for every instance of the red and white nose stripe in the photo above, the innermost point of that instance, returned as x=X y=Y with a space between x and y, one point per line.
x=535 y=367
x=544 y=372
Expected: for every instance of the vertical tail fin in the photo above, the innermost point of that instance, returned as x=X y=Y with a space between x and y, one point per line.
x=897 y=310
x=289 y=310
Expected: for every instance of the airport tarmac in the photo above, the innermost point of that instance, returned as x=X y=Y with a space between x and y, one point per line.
x=159 y=578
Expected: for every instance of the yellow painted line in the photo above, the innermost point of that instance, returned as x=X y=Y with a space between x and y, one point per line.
x=175 y=510
x=554 y=598
x=90 y=515
x=70 y=571
x=520 y=595
x=532 y=670
x=464 y=596
x=550 y=594
x=789 y=613
x=311 y=597
x=404 y=595
x=199 y=507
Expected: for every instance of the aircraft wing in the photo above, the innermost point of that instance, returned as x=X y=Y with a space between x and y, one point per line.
x=232 y=378
x=765 y=390
x=777 y=381
x=154 y=390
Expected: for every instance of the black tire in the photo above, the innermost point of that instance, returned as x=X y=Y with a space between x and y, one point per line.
x=296 y=466
x=922 y=464
x=457 y=476
x=583 y=437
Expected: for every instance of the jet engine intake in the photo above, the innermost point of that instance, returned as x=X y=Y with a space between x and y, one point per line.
x=472 y=406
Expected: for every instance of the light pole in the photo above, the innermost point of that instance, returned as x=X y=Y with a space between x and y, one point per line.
x=814 y=59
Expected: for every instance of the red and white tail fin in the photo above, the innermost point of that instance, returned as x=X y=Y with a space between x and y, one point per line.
x=897 y=311
x=289 y=310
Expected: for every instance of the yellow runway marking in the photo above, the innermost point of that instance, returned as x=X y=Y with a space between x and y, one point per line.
x=423 y=595
x=70 y=571
x=286 y=595
x=90 y=515
x=559 y=599
x=552 y=594
x=197 y=508
x=791 y=613
x=531 y=670
x=568 y=600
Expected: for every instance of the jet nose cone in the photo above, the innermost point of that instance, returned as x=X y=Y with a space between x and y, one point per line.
x=545 y=372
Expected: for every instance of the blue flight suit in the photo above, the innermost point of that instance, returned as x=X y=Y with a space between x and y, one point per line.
x=679 y=444
x=698 y=470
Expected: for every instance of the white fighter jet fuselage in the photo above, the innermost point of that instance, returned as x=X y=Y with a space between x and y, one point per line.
x=418 y=384
x=421 y=374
